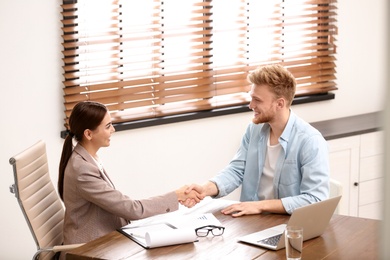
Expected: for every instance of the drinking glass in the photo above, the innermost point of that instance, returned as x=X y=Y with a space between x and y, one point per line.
x=294 y=240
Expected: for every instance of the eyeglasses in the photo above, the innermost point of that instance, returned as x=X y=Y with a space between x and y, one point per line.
x=204 y=231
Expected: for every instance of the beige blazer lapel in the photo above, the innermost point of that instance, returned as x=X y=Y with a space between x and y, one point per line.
x=87 y=157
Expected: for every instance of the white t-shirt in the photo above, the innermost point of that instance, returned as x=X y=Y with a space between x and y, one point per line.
x=266 y=187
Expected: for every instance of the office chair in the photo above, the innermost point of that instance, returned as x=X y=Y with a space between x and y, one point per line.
x=335 y=189
x=39 y=201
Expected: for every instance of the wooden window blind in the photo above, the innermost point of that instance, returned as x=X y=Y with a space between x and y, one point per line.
x=151 y=58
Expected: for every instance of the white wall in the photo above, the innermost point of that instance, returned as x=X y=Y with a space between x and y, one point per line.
x=149 y=161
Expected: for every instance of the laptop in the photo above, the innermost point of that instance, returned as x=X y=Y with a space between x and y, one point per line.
x=314 y=219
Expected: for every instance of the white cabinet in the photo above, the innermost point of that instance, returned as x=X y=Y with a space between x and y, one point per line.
x=344 y=167
x=371 y=176
x=356 y=162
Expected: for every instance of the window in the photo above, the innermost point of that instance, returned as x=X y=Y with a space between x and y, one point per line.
x=152 y=59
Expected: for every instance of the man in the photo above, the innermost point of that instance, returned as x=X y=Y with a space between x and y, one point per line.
x=282 y=163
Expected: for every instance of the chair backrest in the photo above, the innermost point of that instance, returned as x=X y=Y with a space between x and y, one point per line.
x=335 y=190
x=37 y=197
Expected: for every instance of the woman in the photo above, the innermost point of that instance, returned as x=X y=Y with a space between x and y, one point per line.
x=93 y=206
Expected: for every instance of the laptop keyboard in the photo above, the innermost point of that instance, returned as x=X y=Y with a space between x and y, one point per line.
x=272 y=241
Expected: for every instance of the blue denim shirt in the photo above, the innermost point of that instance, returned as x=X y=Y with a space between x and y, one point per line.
x=302 y=170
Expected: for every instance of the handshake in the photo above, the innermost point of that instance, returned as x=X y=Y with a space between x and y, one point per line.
x=190 y=195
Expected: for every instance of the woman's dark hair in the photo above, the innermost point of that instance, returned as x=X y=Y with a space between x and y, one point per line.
x=85 y=115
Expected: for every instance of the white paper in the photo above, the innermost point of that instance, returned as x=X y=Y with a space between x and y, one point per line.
x=159 y=238
x=163 y=234
x=206 y=205
x=175 y=227
x=194 y=221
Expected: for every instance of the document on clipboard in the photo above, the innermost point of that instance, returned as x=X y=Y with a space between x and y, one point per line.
x=159 y=234
x=179 y=230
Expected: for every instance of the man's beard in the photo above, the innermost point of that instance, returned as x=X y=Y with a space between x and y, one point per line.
x=262 y=119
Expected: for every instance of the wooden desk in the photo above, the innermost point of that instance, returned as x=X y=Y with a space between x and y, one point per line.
x=345 y=238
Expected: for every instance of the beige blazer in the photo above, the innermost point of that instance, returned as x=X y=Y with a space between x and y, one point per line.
x=94 y=208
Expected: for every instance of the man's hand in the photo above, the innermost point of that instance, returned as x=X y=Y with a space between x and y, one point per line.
x=254 y=207
x=190 y=201
x=242 y=208
x=207 y=189
x=189 y=197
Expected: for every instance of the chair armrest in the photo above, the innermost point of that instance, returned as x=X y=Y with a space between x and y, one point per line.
x=65 y=247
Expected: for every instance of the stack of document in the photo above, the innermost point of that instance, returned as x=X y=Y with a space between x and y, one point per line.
x=177 y=229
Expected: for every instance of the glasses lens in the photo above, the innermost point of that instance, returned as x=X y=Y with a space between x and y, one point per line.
x=202 y=232
x=217 y=231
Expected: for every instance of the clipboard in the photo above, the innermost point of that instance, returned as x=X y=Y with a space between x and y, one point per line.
x=179 y=230
x=138 y=233
x=159 y=235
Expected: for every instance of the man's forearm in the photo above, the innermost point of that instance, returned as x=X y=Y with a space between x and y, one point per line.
x=210 y=189
x=274 y=206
